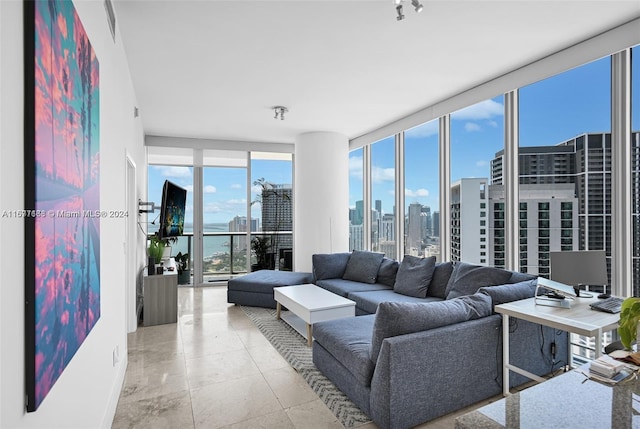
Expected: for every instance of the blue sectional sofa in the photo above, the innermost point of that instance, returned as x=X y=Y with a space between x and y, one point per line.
x=432 y=349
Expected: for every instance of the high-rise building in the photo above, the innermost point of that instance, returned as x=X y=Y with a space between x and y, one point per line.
x=239 y=224
x=414 y=229
x=358 y=215
x=469 y=229
x=435 y=224
x=277 y=216
x=584 y=162
x=543 y=208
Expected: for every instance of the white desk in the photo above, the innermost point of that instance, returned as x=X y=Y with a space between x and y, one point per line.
x=579 y=319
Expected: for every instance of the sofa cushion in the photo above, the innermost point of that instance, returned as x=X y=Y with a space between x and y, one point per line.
x=396 y=318
x=467 y=278
x=510 y=292
x=414 y=276
x=344 y=287
x=517 y=277
x=440 y=279
x=387 y=272
x=349 y=341
x=329 y=265
x=368 y=301
x=363 y=266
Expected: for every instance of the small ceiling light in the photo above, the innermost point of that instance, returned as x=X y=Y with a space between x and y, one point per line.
x=400 y=16
x=417 y=5
x=279 y=112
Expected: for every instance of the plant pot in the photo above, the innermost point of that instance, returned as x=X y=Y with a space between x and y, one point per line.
x=184 y=277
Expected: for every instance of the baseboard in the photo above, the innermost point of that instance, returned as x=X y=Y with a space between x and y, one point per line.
x=110 y=411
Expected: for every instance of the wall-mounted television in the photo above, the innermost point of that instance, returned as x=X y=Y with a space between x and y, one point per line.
x=174 y=199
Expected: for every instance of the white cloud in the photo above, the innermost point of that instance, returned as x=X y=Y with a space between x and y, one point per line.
x=417 y=193
x=355 y=167
x=237 y=202
x=169 y=171
x=209 y=189
x=472 y=127
x=484 y=110
x=379 y=174
x=482 y=163
x=425 y=130
x=236 y=186
x=189 y=188
x=256 y=189
x=493 y=124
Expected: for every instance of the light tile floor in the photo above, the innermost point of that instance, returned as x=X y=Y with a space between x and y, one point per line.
x=214 y=369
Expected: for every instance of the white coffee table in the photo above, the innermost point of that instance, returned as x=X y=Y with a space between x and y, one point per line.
x=309 y=304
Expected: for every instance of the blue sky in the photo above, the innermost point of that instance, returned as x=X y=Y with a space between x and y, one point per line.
x=551 y=111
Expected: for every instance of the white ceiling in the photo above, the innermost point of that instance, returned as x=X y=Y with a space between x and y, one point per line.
x=214 y=69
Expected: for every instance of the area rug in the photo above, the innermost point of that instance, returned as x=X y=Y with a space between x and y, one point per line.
x=293 y=347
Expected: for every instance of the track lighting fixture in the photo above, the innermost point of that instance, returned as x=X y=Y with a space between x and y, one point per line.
x=417 y=6
x=279 y=112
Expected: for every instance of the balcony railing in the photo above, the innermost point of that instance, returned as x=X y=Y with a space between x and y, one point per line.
x=225 y=253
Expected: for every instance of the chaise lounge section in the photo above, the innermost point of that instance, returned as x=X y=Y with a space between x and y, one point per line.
x=256 y=289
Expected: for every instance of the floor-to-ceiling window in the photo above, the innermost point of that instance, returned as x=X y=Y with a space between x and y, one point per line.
x=382 y=208
x=224 y=210
x=356 y=200
x=565 y=169
x=635 y=164
x=477 y=135
x=272 y=208
x=565 y=165
x=421 y=196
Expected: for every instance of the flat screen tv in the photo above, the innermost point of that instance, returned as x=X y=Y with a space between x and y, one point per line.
x=174 y=199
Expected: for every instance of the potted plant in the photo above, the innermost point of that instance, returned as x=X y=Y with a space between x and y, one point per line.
x=260 y=246
x=628 y=325
x=182 y=264
x=154 y=253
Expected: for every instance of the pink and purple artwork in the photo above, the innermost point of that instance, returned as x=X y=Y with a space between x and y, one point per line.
x=63 y=190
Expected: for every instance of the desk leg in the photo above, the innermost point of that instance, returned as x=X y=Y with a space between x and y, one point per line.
x=278 y=309
x=505 y=354
x=598 y=343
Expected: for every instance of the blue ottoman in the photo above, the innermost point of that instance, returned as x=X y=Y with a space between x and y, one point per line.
x=256 y=289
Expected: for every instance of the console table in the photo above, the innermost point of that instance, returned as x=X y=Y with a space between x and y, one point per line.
x=567 y=401
x=579 y=319
x=160 y=299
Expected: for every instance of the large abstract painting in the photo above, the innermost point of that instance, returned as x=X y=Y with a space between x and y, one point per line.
x=62 y=192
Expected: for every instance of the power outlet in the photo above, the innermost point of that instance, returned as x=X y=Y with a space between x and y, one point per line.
x=116 y=355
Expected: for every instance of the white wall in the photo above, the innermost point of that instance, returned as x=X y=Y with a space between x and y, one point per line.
x=321 y=186
x=86 y=393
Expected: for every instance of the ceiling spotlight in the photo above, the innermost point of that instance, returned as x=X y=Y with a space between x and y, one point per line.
x=279 y=112
x=400 y=16
x=417 y=5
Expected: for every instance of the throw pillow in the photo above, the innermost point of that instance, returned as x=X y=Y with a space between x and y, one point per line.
x=387 y=272
x=414 y=276
x=399 y=318
x=467 y=278
x=440 y=279
x=363 y=266
x=329 y=265
x=510 y=292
